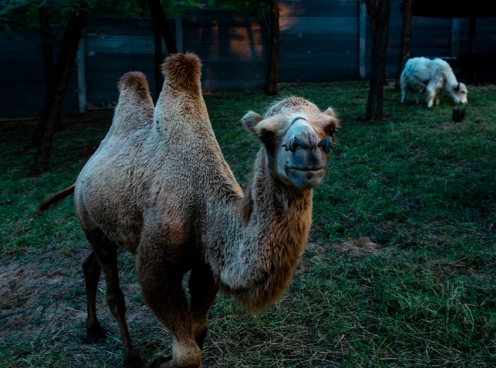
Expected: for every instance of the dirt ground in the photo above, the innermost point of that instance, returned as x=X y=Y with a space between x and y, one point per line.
x=39 y=297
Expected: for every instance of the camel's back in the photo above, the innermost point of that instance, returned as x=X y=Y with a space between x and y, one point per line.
x=191 y=178
x=159 y=176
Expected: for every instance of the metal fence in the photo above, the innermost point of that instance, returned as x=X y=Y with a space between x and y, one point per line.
x=321 y=41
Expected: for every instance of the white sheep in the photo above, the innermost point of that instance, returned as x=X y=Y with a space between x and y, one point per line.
x=422 y=75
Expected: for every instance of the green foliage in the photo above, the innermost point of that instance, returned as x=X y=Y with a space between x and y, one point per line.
x=177 y=7
x=247 y=7
x=418 y=185
x=23 y=15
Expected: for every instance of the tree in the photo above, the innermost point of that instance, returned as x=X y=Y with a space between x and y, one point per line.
x=160 y=28
x=379 y=19
x=406 y=34
x=158 y=60
x=34 y=19
x=160 y=21
x=273 y=73
x=56 y=91
x=48 y=62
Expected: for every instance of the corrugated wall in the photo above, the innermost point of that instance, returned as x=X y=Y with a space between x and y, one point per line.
x=233 y=49
x=112 y=50
x=319 y=42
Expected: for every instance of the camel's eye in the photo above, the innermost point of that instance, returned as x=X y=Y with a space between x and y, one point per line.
x=326 y=144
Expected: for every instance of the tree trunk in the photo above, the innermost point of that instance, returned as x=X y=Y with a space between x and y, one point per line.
x=159 y=59
x=458 y=115
x=372 y=10
x=46 y=46
x=48 y=67
x=55 y=97
x=160 y=21
x=378 y=72
x=406 y=34
x=273 y=72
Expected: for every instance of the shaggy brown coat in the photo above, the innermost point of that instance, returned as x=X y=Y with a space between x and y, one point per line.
x=159 y=187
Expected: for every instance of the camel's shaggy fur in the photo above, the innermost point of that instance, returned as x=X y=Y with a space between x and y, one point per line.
x=159 y=187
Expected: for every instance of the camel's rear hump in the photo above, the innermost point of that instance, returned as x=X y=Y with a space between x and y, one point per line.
x=136 y=82
x=135 y=108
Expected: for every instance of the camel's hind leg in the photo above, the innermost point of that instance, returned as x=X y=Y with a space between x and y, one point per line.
x=92 y=271
x=203 y=289
x=163 y=292
x=106 y=254
x=403 y=94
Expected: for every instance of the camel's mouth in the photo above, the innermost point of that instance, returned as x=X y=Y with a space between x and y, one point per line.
x=307 y=169
x=305 y=177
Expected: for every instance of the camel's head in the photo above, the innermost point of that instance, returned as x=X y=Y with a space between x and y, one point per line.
x=460 y=93
x=297 y=137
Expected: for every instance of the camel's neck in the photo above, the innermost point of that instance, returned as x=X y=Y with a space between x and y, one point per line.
x=267 y=236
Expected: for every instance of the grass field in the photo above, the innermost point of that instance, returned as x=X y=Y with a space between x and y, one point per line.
x=399 y=270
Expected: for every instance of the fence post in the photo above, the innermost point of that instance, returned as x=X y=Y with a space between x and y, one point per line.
x=179 y=33
x=455 y=37
x=362 y=39
x=81 y=77
x=471 y=34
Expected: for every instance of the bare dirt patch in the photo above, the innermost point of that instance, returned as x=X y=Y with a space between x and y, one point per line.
x=31 y=296
x=48 y=297
x=361 y=246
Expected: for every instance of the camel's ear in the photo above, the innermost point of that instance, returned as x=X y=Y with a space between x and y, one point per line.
x=250 y=120
x=329 y=122
x=330 y=112
x=266 y=129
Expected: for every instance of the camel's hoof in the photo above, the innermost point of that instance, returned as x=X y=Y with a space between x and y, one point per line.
x=96 y=337
x=133 y=361
x=157 y=363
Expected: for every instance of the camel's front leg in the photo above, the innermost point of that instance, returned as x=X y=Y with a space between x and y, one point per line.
x=203 y=289
x=162 y=290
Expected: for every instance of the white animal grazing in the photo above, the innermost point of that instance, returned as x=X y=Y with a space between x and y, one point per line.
x=422 y=75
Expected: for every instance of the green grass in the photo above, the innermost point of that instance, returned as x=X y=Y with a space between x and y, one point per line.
x=421 y=187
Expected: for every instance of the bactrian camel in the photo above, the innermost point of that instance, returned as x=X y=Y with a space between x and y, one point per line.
x=159 y=187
